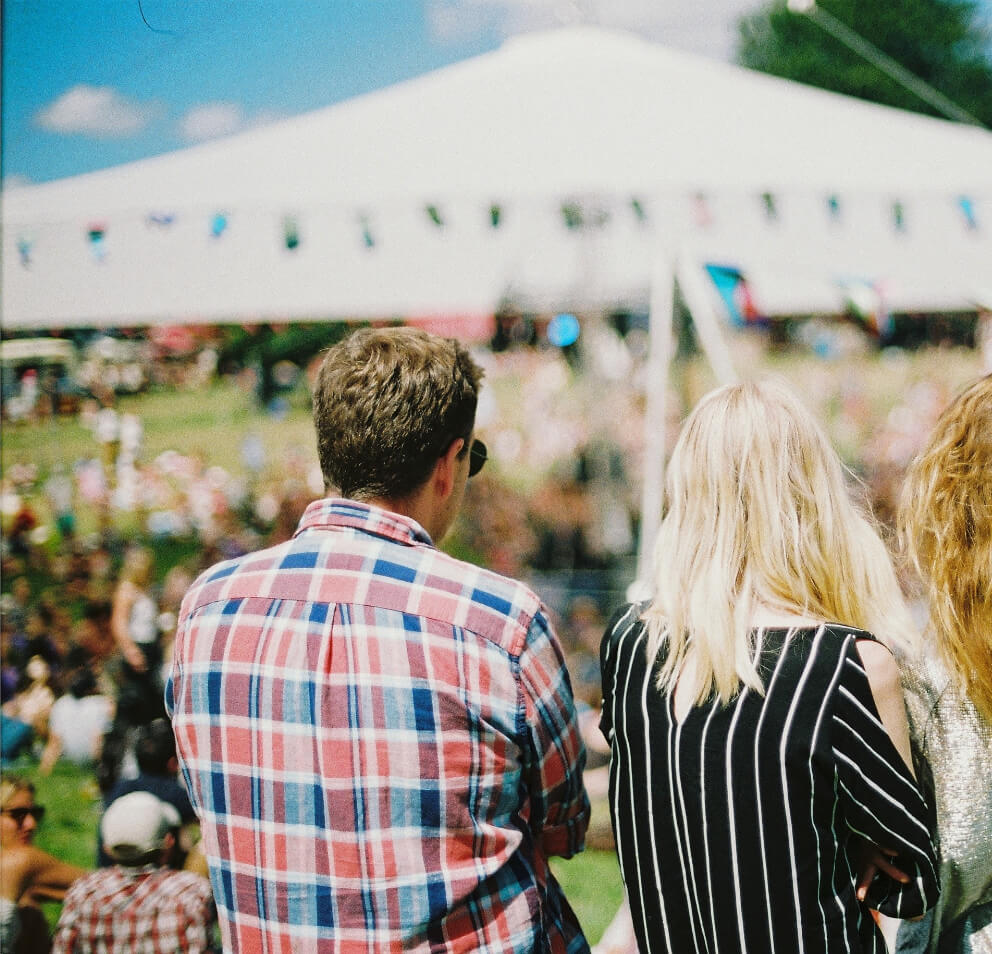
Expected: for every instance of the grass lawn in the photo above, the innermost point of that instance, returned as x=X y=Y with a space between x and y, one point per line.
x=591 y=880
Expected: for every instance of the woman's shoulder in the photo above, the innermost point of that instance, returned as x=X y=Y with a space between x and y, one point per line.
x=627 y=615
x=627 y=621
x=20 y=863
x=867 y=653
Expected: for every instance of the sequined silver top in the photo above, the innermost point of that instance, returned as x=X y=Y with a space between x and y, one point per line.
x=957 y=742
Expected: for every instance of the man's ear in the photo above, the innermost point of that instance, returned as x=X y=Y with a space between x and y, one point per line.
x=447 y=468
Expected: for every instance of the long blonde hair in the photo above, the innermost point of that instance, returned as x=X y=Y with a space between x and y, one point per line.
x=758 y=514
x=945 y=526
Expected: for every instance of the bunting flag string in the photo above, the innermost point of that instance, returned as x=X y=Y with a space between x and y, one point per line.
x=577 y=215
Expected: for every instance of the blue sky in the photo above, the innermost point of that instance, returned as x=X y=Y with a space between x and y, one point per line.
x=93 y=83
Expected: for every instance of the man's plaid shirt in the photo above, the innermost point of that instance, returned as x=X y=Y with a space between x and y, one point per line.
x=381 y=745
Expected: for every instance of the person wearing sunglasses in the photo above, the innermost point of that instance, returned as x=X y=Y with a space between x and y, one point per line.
x=380 y=740
x=28 y=875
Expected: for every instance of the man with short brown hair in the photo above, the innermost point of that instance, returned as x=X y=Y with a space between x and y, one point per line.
x=380 y=740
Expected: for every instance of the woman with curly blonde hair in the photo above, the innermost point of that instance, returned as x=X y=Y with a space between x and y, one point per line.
x=945 y=522
x=759 y=745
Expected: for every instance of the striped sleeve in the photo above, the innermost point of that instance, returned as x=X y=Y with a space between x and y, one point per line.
x=619 y=625
x=556 y=756
x=880 y=799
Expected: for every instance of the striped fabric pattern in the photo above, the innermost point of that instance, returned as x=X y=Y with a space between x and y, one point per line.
x=381 y=745
x=148 y=910
x=732 y=825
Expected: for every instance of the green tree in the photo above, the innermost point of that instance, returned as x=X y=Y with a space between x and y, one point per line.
x=945 y=43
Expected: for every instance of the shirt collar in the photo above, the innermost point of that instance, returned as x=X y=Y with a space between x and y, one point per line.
x=334 y=513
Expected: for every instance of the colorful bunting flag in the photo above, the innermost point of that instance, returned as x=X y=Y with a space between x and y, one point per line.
x=736 y=294
x=701 y=210
x=864 y=300
x=771 y=206
x=367 y=236
x=97 y=235
x=24 y=247
x=899 y=216
x=291 y=233
x=968 y=210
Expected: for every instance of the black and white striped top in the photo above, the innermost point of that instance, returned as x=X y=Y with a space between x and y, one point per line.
x=732 y=825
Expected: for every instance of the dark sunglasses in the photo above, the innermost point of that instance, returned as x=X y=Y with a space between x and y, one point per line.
x=477 y=457
x=37 y=812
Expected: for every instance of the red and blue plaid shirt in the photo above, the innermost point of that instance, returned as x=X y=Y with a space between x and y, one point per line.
x=381 y=745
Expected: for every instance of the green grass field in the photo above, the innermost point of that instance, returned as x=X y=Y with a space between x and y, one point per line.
x=591 y=880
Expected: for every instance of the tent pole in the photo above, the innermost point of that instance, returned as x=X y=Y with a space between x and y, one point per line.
x=705 y=319
x=660 y=318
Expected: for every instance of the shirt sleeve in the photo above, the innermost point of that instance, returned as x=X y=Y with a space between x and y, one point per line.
x=202 y=935
x=620 y=623
x=555 y=754
x=880 y=799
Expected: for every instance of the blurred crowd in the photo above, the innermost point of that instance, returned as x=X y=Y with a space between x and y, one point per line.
x=560 y=508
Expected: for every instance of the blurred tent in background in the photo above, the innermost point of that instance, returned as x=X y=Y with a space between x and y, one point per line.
x=551 y=173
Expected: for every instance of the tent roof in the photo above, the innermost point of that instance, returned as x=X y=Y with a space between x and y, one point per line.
x=598 y=116
x=575 y=110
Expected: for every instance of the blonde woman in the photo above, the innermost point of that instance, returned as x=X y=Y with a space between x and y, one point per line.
x=945 y=520
x=28 y=875
x=759 y=745
x=134 y=625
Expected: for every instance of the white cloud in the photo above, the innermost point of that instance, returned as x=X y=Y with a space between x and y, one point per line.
x=211 y=120
x=708 y=27
x=98 y=111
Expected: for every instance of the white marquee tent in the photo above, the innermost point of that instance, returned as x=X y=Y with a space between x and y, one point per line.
x=552 y=172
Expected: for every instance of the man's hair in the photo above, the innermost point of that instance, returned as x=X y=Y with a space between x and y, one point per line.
x=82 y=683
x=387 y=405
x=155 y=747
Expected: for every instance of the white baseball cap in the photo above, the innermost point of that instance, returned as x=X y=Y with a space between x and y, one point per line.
x=134 y=826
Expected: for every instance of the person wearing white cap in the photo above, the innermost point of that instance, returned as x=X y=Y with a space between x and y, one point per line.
x=139 y=905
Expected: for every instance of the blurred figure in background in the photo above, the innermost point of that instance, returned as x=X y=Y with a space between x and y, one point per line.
x=134 y=626
x=158 y=771
x=141 y=902
x=77 y=723
x=945 y=522
x=28 y=875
